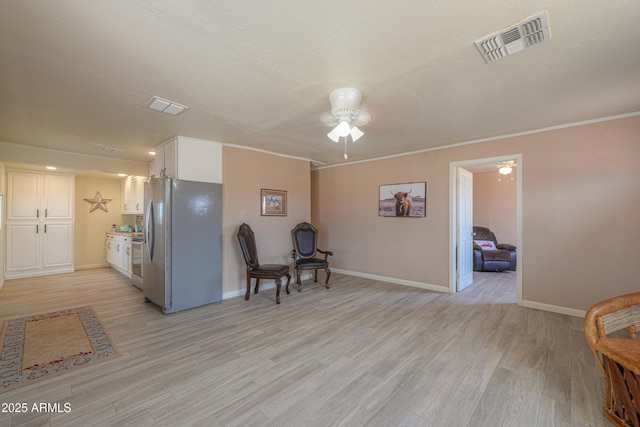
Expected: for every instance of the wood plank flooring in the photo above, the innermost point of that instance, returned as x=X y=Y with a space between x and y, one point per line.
x=361 y=353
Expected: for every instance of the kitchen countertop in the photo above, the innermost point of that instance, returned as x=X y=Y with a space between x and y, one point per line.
x=125 y=233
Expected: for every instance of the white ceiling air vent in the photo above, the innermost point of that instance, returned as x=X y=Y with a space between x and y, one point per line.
x=516 y=38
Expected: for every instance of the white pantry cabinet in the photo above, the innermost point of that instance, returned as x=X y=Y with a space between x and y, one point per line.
x=40 y=215
x=37 y=196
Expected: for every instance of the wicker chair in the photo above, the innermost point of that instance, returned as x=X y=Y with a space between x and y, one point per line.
x=618 y=358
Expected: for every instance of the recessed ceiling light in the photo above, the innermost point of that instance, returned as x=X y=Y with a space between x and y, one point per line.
x=52 y=168
x=122 y=174
x=153 y=153
x=166 y=106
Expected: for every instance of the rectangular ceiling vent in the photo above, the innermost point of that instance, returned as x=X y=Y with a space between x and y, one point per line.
x=526 y=33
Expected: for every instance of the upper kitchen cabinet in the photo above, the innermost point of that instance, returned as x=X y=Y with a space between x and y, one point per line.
x=37 y=196
x=132 y=193
x=189 y=159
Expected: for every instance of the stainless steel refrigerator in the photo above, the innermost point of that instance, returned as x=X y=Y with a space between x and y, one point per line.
x=182 y=251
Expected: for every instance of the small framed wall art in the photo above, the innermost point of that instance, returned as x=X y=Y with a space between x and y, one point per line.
x=407 y=200
x=273 y=202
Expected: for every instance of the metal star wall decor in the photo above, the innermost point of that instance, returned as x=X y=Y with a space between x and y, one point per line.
x=98 y=202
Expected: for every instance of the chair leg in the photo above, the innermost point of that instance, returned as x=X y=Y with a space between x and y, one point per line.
x=326 y=282
x=255 y=291
x=248 y=294
x=315 y=277
x=278 y=285
x=298 y=281
x=288 y=281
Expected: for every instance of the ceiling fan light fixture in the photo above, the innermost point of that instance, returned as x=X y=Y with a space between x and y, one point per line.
x=334 y=135
x=505 y=170
x=345 y=116
x=356 y=133
x=343 y=128
x=340 y=131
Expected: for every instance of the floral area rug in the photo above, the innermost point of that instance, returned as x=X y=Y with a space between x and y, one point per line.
x=40 y=346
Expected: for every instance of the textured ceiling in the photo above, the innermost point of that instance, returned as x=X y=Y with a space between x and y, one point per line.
x=77 y=75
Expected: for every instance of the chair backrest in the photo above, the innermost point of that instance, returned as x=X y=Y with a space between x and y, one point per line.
x=248 y=244
x=305 y=238
x=483 y=233
x=612 y=315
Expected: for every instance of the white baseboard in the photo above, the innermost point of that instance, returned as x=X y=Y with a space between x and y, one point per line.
x=91 y=266
x=525 y=303
x=554 y=308
x=411 y=283
x=49 y=272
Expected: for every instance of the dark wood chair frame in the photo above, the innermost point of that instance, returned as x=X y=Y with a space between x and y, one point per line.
x=305 y=253
x=276 y=272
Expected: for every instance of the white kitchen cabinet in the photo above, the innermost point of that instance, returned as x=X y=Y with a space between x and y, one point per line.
x=57 y=241
x=58 y=196
x=189 y=159
x=119 y=253
x=23 y=195
x=111 y=249
x=132 y=193
x=39 y=248
x=23 y=244
x=40 y=214
x=37 y=196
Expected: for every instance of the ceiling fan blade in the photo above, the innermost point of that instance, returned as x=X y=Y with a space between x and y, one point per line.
x=362 y=118
x=328 y=119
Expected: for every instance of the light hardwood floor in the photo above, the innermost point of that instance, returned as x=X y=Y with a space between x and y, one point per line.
x=361 y=353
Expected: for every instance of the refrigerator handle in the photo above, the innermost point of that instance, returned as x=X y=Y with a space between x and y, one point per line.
x=150 y=227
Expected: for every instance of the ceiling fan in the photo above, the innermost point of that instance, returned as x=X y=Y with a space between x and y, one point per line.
x=506 y=168
x=345 y=116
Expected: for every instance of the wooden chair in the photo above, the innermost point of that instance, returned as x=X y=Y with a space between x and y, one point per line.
x=257 y=271
x=618 y=358
x=305 y=240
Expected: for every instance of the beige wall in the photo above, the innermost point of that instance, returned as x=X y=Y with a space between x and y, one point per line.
x=494 y=204
x=90 y=227
x=580 y=201
x=245 y=173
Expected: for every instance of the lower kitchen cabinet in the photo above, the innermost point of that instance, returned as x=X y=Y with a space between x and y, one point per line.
x=38 y=249
x=119 y=253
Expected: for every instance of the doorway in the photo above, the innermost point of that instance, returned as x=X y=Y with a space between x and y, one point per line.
x=455 y=225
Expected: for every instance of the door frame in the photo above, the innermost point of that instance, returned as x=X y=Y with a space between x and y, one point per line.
x=453 y=214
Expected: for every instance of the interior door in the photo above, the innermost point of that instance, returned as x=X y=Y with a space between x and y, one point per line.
x=465 y=228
